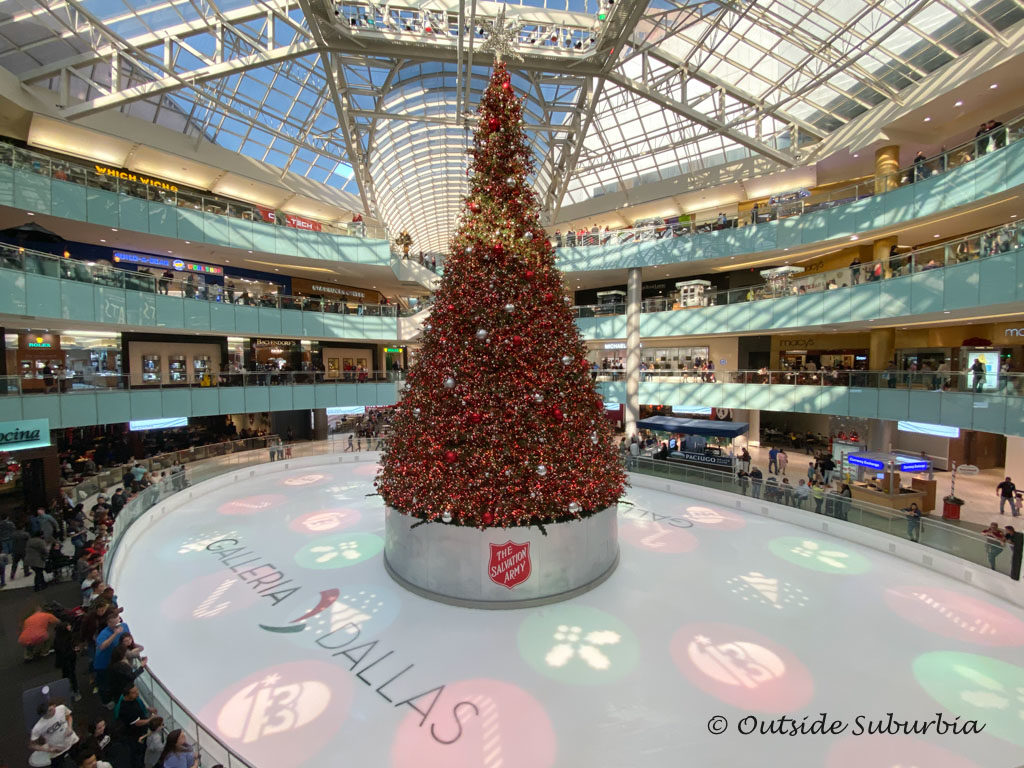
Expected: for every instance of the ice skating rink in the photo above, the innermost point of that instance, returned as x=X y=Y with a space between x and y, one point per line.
x=265 y=607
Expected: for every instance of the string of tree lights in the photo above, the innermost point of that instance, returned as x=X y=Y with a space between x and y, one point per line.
x=500 y=424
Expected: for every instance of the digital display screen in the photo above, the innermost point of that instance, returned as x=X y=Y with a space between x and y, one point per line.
x=346 y=410
x=936 y=430
x=990 y=360
x=141 y=426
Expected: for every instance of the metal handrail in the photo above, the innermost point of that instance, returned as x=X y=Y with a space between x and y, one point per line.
x=33 y=261
x=986 y=244
x=72 y=171
x=937 y=534
x=1009 y=133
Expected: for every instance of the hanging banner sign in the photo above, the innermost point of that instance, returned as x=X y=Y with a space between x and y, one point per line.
x=19 y=435
x=290 y=220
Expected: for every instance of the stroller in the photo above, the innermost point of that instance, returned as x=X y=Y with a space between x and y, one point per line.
x=59 y=564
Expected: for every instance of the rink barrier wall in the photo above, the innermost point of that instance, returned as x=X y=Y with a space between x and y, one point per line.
x=992 y=582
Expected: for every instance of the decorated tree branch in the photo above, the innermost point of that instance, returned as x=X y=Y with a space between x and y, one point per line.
x=500 y=424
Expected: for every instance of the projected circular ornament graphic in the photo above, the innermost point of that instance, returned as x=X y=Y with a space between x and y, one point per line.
x=339 y=551
x=578 y=644
x=955 y=615
x=741 y=667
x=251 y=505
x=976 y=688
x=822 y=555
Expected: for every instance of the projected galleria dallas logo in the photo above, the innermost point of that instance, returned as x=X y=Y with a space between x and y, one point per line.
x=392 y=678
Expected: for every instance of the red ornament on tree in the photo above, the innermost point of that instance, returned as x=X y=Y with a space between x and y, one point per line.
x=506 y=434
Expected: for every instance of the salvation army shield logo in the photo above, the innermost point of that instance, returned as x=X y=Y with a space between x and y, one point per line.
x=510 y=564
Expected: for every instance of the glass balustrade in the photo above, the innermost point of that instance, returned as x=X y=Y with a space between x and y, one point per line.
x=982 y=245
x=138 y=185
x=958 y=540
x=804 y=201
x=993 y=383
x=47 y=264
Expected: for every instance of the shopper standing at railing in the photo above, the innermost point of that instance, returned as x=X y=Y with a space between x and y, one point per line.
x=981 y=139
x=913 y=513
x=993 y=543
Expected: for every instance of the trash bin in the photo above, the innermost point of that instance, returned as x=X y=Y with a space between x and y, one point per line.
x=951 y=510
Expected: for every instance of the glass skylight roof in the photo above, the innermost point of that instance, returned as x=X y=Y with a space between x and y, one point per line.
x=373 y=99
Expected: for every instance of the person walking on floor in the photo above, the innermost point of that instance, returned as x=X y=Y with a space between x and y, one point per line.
x=1006 y=491
x=755 y=482
x=36 y=552
x=782 y=461
x=913 y=513
x=977 y=375
x=773 y=460
x=818 y=494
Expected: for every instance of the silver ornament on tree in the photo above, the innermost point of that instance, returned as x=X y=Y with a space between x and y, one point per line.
x=449 y=382
x=527 y=236
x=481 y=334
x=510 y=308
x=511 y=181
x=446 y=516
x=594 y=438
x=416 y=412
x=574 y=508
x=566 y=360
x=538 y=397
x=469 y=249
x=541 y=470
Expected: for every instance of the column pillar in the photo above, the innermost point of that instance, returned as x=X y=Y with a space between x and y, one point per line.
x=320 y=424
x=753 y=417
x=880 y=250
x=881 y=348
x=632 y=405
x=887 y=166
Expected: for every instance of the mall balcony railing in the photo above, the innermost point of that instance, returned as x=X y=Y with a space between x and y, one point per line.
x=98 y=382
x=994 y=383
x=937 y=534
x=49 y=265
x=982 y=245
x=806 y=201
x=82 y=174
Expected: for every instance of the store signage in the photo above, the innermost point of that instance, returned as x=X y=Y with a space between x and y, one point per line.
x=914 y=466
x=19 y=435
x=863 y=461
x=296 y=222
x=809 y=342
x=392 y=349
x=304 y=287
x=615 y=345
x=40 y=343
x=178 y=265
x=38 y=340
x=115 y=173
x=702 y=459
x=274 y=342
x=1014 y=332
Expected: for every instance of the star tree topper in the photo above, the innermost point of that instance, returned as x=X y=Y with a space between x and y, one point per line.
x=503 y=35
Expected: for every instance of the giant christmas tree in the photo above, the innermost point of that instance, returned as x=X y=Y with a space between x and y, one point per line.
x=500 y=424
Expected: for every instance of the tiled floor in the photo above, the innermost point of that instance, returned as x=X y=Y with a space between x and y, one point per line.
x=978 y=491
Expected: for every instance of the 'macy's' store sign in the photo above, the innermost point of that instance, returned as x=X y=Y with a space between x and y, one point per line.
x=19 y=435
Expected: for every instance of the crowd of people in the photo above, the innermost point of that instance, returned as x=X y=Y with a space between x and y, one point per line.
x=94 y=634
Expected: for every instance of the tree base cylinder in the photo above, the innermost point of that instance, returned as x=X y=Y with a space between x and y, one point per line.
x=501 y=567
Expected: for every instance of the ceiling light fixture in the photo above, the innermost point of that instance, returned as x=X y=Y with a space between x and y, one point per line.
x=934 y=235
x=993 y=86
x=853 y=237
x=928 y=119
x=958 y=103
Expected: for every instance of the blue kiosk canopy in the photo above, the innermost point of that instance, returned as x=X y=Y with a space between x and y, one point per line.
x=704 y=427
